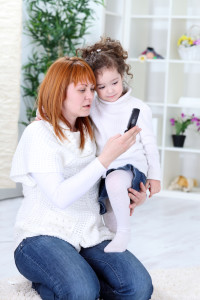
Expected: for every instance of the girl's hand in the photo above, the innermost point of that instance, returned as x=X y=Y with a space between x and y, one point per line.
x=137 y=198
x=117 y=145
x=154 y=186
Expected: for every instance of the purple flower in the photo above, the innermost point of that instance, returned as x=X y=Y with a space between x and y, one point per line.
x=182 y=115
x=197 y=42
x=198 y=129
x=172 y=122
x=197 y=123
x=194 y=119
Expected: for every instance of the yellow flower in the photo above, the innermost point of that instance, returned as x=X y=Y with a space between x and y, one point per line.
x=184 y=39
x=142 y=58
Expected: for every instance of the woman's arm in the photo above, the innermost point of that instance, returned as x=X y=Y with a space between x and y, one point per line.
x=62 y=192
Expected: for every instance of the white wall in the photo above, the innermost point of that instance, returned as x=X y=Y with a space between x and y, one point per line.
x=95 y=32
x=10 y=65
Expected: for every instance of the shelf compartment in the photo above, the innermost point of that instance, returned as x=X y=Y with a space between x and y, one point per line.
x=192 y=141
x=113 y=27
x=146 y=80
x=185 y=164
x=186 y=7
x=180 y=27
x=150 y=7
x=183 y=82
x=158 y=125
x=113 y=6
x=148 y=33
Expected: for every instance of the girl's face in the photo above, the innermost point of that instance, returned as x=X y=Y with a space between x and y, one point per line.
x=109 y=84
x=78 y=101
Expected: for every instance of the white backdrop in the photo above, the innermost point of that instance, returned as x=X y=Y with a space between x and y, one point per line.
x=10 y=66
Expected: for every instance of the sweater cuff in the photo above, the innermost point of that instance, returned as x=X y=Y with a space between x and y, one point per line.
x=154 y=174
x=99 y=165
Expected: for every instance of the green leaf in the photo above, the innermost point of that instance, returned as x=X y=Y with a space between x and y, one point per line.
x=56 y=28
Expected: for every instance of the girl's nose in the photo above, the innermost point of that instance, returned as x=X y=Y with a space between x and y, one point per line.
x=110 y=89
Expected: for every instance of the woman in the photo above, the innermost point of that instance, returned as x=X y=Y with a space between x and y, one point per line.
x=60 y=235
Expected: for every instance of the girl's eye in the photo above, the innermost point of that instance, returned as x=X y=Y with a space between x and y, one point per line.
x=101 y=87
x=82 y=91
x=115 y=82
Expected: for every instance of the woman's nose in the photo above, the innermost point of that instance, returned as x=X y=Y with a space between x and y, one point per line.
x=89 y=95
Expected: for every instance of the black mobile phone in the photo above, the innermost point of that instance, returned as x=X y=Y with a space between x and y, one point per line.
x=133 y=118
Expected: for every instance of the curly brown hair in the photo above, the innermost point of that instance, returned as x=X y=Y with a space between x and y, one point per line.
x=107 y=53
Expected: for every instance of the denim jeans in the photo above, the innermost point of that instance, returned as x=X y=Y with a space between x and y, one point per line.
x=58 y=271
x=138 y=177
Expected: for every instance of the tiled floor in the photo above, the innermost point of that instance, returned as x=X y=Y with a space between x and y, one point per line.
x=165 y=234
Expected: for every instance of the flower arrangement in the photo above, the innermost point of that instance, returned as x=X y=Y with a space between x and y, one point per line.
x=189 y=44
x=187 y=41
x=182 y=123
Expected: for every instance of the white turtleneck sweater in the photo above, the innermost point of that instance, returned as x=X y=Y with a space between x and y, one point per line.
x=70 y=209
x=111 y=118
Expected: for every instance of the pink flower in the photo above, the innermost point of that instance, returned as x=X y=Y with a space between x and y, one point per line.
x=182 y=115
x=172 y=122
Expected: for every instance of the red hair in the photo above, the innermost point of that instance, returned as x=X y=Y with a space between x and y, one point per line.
x=53 y=89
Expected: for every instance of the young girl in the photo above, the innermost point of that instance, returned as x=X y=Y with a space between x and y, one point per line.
x=110 y=113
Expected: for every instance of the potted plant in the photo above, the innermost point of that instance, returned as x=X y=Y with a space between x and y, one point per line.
x=56 y=28
x=181 y=124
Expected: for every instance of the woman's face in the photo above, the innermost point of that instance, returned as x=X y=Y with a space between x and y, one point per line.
x=78 y=101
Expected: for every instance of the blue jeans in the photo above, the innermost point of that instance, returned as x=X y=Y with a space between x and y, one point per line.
x=138 y=177
x=58 y=271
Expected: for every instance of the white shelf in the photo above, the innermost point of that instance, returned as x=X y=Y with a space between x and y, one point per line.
x=110 y=13
x=152 y=61
x=185 y=17
x=149 y=17
x=182 y=106
x=183 y=150
x=162 y=82
x=165 y=60
x=179 y=61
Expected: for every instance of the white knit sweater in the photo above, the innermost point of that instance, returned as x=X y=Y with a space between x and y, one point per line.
x=111 y=118
x=40 y=151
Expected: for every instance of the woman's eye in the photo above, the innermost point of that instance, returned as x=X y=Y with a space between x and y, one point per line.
x=101 y=87
x=82 y=91
x=115 y=82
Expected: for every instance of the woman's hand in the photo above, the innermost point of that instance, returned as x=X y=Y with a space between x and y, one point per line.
x=137 y=198
x=117 y=145
x=154 y=186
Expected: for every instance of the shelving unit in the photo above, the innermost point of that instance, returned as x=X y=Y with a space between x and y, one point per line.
x=161 y=82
